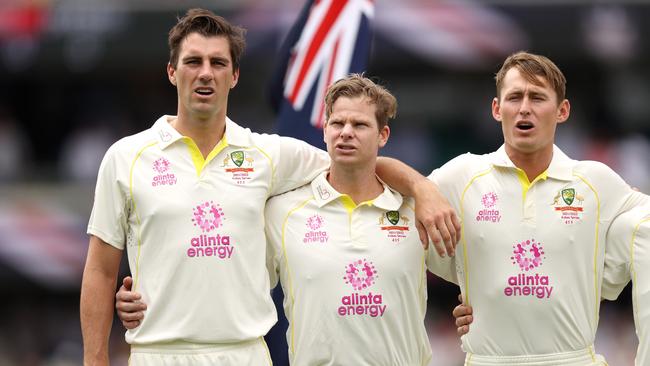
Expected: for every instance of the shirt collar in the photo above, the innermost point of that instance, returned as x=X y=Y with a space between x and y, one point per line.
x=324 y=193
x=166 y=135
x=237 y=135
x=561 y=166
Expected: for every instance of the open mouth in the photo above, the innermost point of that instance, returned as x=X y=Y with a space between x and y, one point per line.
x=524 y=125
x=204 y=91
x=345 y=147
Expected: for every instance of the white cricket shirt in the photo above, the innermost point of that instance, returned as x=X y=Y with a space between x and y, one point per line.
x=628 y=257
x=194 y=228
x=532 y=252
x=354 y=277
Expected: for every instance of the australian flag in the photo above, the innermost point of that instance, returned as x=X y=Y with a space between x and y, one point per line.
x=330 y=40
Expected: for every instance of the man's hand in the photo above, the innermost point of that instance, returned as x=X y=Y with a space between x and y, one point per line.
x=129 y=308
x=463 y=315
x=436 y=219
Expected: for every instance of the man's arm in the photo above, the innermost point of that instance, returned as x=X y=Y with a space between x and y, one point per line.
x=96 y=305
x=436 y=219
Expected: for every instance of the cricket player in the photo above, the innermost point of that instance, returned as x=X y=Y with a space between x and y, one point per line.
x=345 y=249
x=533 y=229
x=186 y=200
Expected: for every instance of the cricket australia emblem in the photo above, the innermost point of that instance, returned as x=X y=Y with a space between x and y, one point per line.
x=239 y=164
x=569 y=204
x=395 y=225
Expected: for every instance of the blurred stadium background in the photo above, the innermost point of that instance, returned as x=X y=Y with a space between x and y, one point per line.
x=75 y=75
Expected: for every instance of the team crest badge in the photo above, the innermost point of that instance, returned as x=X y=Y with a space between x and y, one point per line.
x=393 y=217
x=237 y=157
x=568 y=195
x=569 y=204
x=394 y=231
x=241 y=173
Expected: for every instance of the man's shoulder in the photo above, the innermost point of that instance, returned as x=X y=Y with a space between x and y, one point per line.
x=635 y=216
x=467 y=164
x=624 y=226
x=592 y=168
x=131 y=145
x=289 y=200
x=244 y=135
x=272 y=141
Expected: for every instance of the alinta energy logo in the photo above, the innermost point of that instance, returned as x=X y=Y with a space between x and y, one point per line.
x=528 y=256
x=489 y=212
x=240 y=164
x=570 y=204
x=314 y=233
x=395 y=225
x=163 y=177
x=209 y=217
x=361 y=274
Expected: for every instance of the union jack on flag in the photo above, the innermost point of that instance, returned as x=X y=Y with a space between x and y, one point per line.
x=330 y=40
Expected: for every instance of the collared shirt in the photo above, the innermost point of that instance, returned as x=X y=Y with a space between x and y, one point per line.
x=194 y=228
x=628 y=257
x=354 y=276
x=532 y=252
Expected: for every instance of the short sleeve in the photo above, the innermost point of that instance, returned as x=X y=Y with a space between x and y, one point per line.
x=443 y=267
x=298 y=164
x=618 y=254
x=272 y=228
x=109 y=216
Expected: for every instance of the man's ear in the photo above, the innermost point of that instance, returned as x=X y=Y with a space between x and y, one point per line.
x=384 y=133
x=563 y=111
x=171 y=73
x=235 y=78
x=496 y=109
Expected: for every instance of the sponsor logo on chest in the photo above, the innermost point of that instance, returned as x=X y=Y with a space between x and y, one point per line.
x=528 y=256
x=209 y=217
x=316 y=232
x=361 y=276
x=163 y=175
x=489 y=211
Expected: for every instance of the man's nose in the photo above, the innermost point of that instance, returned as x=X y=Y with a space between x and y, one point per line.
x=205 y=73
x=524 y=108
x=347 y=130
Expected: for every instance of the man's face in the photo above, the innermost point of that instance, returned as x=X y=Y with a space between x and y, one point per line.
x=528 y=114
x=352 y=134
x=203 y=76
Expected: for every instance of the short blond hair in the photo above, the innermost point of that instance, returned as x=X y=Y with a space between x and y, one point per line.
x=531 y=67
x=355 y=85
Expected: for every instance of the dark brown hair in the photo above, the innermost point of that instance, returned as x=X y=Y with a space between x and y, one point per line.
x=208 y=24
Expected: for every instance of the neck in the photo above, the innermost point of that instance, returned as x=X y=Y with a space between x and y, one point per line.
x=360 y=184
x=533 y=164
x=205 y=132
